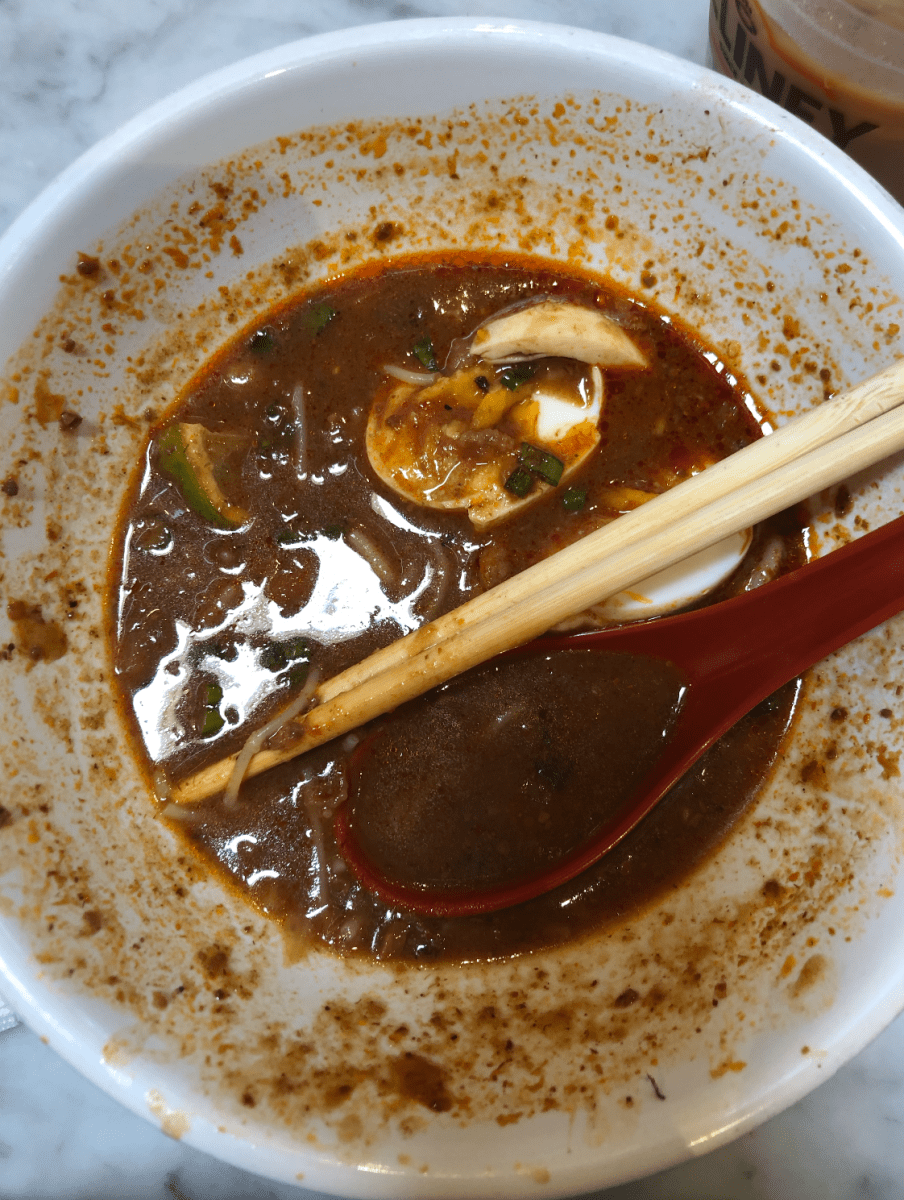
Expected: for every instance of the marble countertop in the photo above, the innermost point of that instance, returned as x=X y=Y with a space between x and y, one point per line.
x=70 y=72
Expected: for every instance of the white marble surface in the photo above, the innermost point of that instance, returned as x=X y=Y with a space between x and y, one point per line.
x=70 y=72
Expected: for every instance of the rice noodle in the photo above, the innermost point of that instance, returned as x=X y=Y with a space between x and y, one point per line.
x=257 y=739
x=301 y=436
x=442 y=571
x=766 y=566
x=349 y=932
x=460 y=355
x=596 y=380
x=417 y=378
x=181 y=812
x=390 y=936
x=317 y=840
x=340 y=795
x=369 y=550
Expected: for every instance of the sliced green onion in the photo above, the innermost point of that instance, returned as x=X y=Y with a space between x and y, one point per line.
x=519 y=482
x=513 y=377
x=213 y=720
x=277 y=656
x=225 y=650
x=213 y=723
x=542 y=463
x=296 y=648
x=274 y=439
x=290 y=537
x=298 y=674
x=273 y=657
x=574 y=499
x=319 y=316
x=262 y=341
x=424 y=352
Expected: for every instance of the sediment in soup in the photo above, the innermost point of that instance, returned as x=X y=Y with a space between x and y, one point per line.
x=258 y=540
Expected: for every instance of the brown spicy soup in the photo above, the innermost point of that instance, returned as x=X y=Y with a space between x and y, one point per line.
x=270 y=532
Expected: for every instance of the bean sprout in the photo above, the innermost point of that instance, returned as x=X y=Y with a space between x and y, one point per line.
x=257 y=739
x=369 y=550
x=181 y=812
x=442 y=572
x=300 y=429
x=417 y=378
x=317 y=841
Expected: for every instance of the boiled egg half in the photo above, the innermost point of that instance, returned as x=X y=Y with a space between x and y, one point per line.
x=517 y=416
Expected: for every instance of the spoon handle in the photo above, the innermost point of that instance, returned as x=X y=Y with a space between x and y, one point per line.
x=737 y=653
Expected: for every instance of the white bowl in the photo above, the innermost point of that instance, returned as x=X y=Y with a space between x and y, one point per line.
x=734 y=218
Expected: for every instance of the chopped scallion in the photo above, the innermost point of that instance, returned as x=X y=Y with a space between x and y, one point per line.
x=262 y=341
x=574 y=499
x=273 y=440
x=541 y=463
x=273 y=658
x=290 y=537
x=213 y=719
x=519 y=482
x=298 y=674
x=213 y=722
x=277 y=656
x=296 y=648
x=319 y=316
x=513 y=377
x=425 y=354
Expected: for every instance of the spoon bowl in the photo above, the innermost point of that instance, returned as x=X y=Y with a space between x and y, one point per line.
x=729 y=657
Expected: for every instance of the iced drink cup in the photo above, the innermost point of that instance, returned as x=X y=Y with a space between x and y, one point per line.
x=836 y=64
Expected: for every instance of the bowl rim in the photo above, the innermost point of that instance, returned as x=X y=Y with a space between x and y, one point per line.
x=50 y=1014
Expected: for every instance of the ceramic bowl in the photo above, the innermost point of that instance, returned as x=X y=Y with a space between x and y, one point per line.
x=778 y=959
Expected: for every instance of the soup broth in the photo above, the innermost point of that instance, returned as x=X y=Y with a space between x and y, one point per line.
x=258 y=543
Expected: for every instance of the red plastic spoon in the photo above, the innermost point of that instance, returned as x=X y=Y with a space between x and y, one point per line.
x=732 y=655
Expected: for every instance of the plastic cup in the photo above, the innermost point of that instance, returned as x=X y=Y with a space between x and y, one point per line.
x=836 y=64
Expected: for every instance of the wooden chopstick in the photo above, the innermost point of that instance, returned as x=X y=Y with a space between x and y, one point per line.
x=812 y=451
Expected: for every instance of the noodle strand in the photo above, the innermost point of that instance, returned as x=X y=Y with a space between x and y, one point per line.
x=257 y=739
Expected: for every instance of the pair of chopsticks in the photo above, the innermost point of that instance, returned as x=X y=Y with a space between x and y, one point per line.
x=818 y=448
